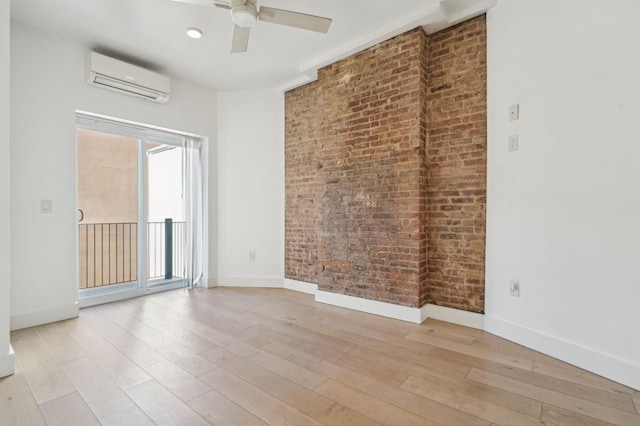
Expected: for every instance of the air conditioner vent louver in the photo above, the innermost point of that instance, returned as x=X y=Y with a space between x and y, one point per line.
x=121 y=77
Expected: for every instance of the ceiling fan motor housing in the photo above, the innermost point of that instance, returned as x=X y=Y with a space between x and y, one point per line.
x=244 y=13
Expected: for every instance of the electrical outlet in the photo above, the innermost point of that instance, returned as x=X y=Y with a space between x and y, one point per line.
x=252 y=255
x=513 y=143
x=514 y=288
x=46 y=206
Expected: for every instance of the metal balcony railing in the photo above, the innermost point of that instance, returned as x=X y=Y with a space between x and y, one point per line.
x=108 y=252
x=166 y=252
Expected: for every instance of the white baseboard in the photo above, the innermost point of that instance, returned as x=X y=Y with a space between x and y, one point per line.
x=250 y=281
x=45 y=316
x=606 y=365
x=390 y=310
x=211 y=282
x=455 y=316
x=301 y=286
x=7 y=363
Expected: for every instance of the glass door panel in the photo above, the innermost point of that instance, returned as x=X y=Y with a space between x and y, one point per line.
x=166 y=213
x=107 y=210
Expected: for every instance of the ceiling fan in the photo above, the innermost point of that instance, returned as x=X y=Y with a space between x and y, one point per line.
x=245 y=14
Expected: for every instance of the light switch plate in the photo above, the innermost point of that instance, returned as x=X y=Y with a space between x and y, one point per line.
x=514 y=288
x=514 y=112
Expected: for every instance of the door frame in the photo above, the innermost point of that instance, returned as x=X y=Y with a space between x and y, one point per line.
x=143 y=133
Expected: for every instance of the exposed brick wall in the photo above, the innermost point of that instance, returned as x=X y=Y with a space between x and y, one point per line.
x=355 y=157
x=386 y=172
x=303 y=124
x=457 y=165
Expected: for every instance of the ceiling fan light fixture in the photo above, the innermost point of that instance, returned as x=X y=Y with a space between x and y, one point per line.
x=243 y=17
x=194 y=32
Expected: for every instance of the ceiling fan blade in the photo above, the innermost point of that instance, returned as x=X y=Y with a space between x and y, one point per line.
x=295 y=19
x=240 y=39
x=222 y=4
x=207 y=3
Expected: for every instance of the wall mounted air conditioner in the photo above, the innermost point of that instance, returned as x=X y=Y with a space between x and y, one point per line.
x=121 y=77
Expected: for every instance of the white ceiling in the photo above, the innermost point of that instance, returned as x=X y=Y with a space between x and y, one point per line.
x=152 y=33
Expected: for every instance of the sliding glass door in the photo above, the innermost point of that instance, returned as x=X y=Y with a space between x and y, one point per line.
x=139 y=209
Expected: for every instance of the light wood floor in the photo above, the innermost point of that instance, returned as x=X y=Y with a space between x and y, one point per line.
x=265 y=356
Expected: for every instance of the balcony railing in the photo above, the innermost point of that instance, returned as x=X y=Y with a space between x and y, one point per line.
x=166 y=252
x=108 y=252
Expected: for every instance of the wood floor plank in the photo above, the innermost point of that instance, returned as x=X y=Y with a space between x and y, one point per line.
x=119 y=317
x=579 y=376
x=280 y=308
x=209 y=334
x=200 y=322
x=135 y=349
x=163 y=407
x=68 y=410
x=269 y=325
x=383 y=412
x=220 y=411
x=440 y=374
x=459 y=358
x=178 y=381
x=287 y=369
x=416 y=404
x=386 y=325
x=261 y=404
x=335 y=353
x=223 y=313
x=489 y=355
x=106 y=400
x=60 y=344
x=46 y=379
x=305 y=400
x=230 y=304
x=18 y=407
x=376 y=364
x=136 y=307
x=568 y=402
x=588 y=393
x=568 y=418
x=390 y=339
x=229 y=342
x=434 y=328
x=374 y=328
x=411 y=359
x=263 y=303
x=527 y=406
x=124 y=372
x=612 y=399
x=477 y=334
x=191 y=362
x=477 y=407
x=513 y=349
x=174 y=330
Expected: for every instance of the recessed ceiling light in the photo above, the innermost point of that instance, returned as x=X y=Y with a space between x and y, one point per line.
x=194 y=32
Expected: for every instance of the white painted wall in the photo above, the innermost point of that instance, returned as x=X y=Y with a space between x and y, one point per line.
x=251 y=188
x=47 y=84
x=6 y=357
x=563 y=213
